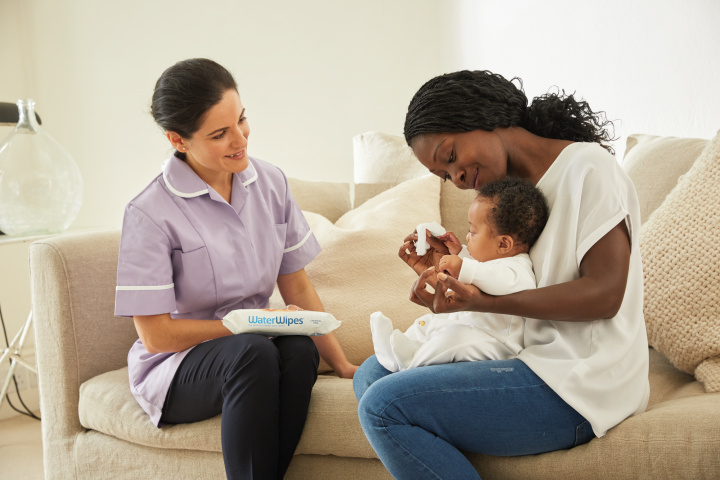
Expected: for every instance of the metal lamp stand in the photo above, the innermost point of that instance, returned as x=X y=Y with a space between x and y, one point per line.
x=14 y=353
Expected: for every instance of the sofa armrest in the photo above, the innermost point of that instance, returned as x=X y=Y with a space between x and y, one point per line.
x=76 y=334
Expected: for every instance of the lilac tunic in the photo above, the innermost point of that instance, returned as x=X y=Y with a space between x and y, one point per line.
x=185 y=251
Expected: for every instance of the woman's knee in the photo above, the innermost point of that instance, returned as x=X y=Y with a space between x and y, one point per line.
x=380 y=401
x=368 y=373
x=296 y=346
x=251 y=350
x=369 y=409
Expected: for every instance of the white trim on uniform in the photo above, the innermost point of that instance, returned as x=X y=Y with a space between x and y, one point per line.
x=181 y=194
x=253 y=178
x=147 y=287
x=302 y=242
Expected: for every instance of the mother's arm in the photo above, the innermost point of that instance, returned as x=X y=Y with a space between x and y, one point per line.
x=597 y=293
x=297 y=289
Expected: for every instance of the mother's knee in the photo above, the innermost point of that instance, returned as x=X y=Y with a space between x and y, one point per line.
x=367 y=374
x=380 y=402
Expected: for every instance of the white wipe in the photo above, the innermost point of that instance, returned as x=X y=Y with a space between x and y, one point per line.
x=421 y=244
x=280 y=322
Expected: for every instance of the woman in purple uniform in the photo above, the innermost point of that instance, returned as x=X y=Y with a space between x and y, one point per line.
x=213 y=233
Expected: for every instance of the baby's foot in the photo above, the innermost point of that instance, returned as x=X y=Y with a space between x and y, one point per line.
x=381 y=328
x=403 y=348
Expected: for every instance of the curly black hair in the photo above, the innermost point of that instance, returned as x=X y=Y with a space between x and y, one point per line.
x=481 y=100
x=519 y=208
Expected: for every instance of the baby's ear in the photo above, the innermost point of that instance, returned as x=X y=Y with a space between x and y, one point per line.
x=505 y=244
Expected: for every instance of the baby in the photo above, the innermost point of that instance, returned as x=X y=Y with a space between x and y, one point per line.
x=506 y=218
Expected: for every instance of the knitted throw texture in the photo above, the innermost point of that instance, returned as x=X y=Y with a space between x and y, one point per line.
x=680 y=245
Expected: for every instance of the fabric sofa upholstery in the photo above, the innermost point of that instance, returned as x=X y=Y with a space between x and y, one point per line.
x=92 y=427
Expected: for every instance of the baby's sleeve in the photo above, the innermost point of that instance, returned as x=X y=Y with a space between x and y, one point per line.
x=498 y=277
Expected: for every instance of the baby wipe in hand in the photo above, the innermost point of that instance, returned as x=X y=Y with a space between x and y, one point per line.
x=421 y=244
x=280 y=322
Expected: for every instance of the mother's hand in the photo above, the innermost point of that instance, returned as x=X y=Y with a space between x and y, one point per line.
x=450 y=295
x=436 y=250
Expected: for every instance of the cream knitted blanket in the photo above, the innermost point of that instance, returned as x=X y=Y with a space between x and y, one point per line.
x=680 y=245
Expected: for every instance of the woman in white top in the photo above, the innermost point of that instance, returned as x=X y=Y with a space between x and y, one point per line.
x=585 y=364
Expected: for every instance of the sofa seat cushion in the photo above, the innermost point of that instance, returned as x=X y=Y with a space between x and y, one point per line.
x=332 y=428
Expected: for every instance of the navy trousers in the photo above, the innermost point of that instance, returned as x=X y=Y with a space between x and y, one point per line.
x=262 y=388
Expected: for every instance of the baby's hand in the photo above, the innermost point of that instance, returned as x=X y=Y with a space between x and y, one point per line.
x=451 y=242
x=451 y=264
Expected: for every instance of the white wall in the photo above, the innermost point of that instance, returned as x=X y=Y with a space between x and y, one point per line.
x=312 y=75
x=653 y=65
x=14 y=55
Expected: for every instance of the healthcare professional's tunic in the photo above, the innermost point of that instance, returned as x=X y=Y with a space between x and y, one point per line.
x=185 y=251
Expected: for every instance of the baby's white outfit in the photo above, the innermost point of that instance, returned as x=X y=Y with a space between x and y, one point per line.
x=460 y=336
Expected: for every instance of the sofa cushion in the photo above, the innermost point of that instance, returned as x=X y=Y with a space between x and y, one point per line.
x=454 y=204
x=381 y=161
x=655 y=163
x=332 y=202
x=650 y=443
x=107 y=405
x=383 y=158
x=359 y=272
x=681 y=263
x=332 y=428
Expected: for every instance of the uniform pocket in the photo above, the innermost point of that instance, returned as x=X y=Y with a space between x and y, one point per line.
x=194 y=281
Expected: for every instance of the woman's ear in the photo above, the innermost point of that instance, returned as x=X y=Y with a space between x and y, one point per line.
x=176 y=141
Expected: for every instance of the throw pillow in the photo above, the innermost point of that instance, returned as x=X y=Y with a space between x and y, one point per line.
x=681 y=262
x=359 y=272
x=655 y=163
x=382 y=158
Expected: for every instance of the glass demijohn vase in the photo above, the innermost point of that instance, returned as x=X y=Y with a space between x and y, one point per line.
x=40 y=185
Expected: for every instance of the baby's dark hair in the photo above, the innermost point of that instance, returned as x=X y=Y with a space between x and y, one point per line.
x=519 y=208
x=465 y=101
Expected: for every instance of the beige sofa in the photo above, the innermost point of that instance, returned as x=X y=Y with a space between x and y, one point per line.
x=93 y=429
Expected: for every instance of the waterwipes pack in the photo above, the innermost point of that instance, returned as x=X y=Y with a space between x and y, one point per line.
x=280 y=322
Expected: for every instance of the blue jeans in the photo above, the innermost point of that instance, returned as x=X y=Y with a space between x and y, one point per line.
x=419 y=420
